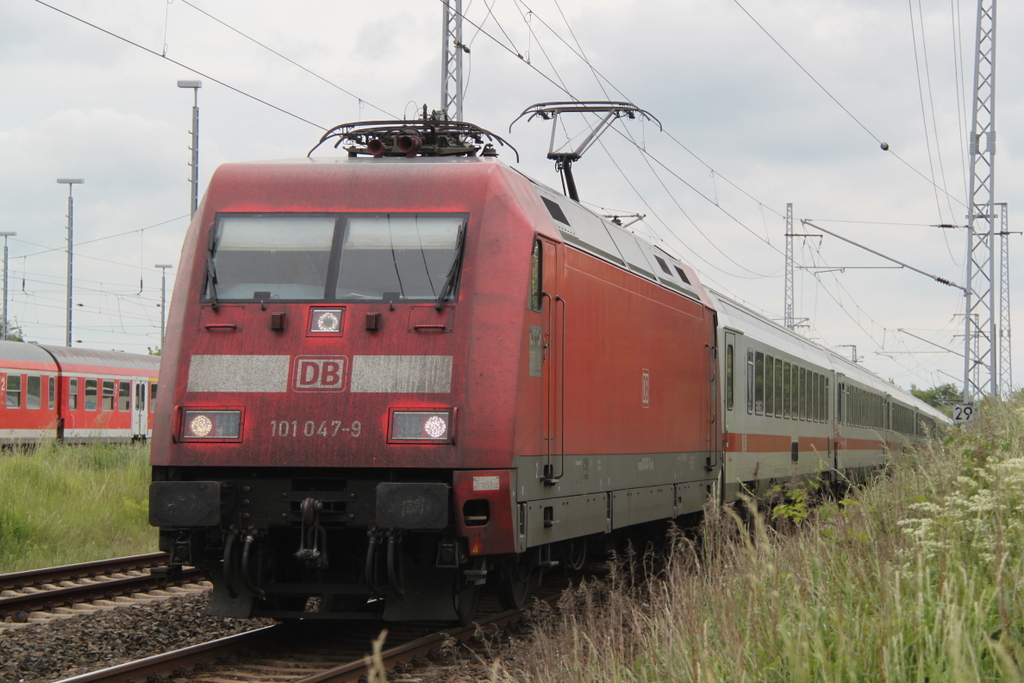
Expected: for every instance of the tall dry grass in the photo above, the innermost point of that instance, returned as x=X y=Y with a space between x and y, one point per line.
x=64 y=504
x=918 y=577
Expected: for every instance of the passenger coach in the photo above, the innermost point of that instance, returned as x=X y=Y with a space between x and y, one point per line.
x=791 y=407
x=75 y=395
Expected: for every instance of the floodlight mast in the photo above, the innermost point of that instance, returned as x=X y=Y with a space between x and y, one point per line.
x=71 y=247
x=564 y=160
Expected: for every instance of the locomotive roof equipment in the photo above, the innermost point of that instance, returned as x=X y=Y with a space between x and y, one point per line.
x=550 y=111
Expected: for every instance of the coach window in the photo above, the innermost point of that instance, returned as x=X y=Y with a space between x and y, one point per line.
x=34 y=392
x=124 y=396
x=803 y=393
x=729 y=362
x=759 y=383
x=769 y=386
x=778 y=387
x=817 y=397
x=108 y=395
x=535 y=278
x=13 y=391
x=51 y=392
x=152 y=397
x=822 y=399
x=91 y=386
x=826 y=398
x=73 y=394
x=750 y=381
x=812 y=395
x=787 y=392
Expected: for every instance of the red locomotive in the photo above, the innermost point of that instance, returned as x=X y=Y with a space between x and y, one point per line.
x=403 y=374
x=75 y=395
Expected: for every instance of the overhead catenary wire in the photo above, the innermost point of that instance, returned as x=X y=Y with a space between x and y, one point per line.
x=288 y=59
x=712 y=199
x=184 y=66
x=832 y=97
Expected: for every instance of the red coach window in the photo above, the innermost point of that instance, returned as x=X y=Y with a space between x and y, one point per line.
x=73 y=394
x=34 y=392
x=152 y=397
x=124 y=396
x=51 y=393
x=108 y=394
x=13 y=391
x=91 y=400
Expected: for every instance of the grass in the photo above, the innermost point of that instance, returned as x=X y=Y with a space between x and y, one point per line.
x=64 y=504
x=918 y=577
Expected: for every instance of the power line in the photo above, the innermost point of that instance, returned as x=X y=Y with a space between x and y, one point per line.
x=882 y=144
x=288 y=59
x=182 y=65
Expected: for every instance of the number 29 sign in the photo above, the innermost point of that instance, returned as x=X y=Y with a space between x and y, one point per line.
x=963 y=413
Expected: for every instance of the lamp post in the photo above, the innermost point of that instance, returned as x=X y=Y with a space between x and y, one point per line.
x=71 y=244
x=5 y=325
x=163 y=298
x=195 y=85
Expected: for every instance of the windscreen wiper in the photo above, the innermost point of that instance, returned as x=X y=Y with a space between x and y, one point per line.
x=211 y=270
x=211 y=279
x=452 y=278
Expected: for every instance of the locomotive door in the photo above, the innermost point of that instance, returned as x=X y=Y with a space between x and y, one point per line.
x=713 y=423
x=553 y=371
x=139 y=422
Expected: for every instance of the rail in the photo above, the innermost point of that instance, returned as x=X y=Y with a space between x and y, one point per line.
x=46 y=589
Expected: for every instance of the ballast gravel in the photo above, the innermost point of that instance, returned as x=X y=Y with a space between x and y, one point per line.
x=62 y=648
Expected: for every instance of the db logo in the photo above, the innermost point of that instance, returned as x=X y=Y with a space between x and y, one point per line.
x=319 y=374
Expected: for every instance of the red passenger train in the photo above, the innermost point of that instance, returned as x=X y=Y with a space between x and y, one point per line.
x=75 y=395
x=404 y=374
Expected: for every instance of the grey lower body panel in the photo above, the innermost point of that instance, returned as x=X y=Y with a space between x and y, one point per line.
x=558 y=519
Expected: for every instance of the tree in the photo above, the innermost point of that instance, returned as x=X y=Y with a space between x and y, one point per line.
x=14 y=331
x=942 y=396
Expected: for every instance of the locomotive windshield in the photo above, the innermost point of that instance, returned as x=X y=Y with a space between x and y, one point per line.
x=351 y=257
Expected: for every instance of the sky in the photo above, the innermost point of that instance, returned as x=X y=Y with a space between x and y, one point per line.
x=761 y=103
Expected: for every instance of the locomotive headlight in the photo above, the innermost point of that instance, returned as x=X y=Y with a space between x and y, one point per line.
x=423 y=426
x=211 y=424
x=325 y=320
x=200 y=425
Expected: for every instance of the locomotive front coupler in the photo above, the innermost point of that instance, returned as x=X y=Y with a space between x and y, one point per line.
x=312 y=536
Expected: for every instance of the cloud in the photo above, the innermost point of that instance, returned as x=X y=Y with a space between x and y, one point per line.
x=759 y=131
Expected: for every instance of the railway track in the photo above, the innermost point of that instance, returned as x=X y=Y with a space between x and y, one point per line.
x=56 y=588
x=309 y=651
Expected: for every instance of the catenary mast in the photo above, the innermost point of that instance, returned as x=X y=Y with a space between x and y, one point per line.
x=980 y=346
x=452 y=48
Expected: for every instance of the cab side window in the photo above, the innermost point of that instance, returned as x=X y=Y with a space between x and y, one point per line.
x=535 y=278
